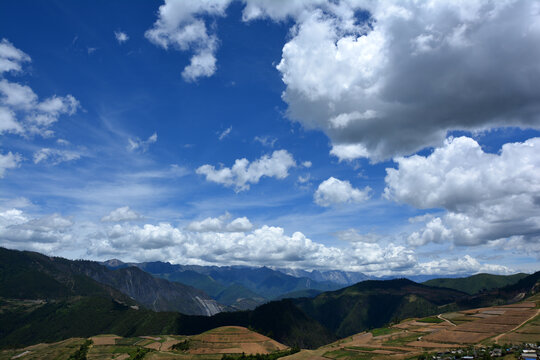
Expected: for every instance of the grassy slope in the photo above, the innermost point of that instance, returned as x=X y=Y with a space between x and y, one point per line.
x=476 y=283
x=29 y=275
x=310 y=293
x=372 y=304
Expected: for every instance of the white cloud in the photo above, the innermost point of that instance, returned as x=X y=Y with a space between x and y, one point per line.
x=12 y=217
x=21 y=111
x=225 y=133
x=349 y=151
x=18 y=229
x=266 y=140
x=334 y=191
x=8 y=121
x=307 y=164
x=14 y=203
x=11 y=58
x=221 y=224
x=304 y=179
x=463 y=265
x=202 y=64
x=418 y=70
x=352 y=235
x=243 y=173
x=142 y=145
x=9 y=161
x=486 y=196
x=121 y=36
x=55 y=156
x=17 y=96
x=181 y=26
x=123 y=213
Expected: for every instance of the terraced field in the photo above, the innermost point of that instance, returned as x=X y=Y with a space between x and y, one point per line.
x=515 y=323
x=209 y=345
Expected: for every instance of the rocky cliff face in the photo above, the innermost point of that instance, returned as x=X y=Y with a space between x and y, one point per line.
x=153 y=293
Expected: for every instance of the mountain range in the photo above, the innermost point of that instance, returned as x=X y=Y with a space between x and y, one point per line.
x=240 y=287
x=45 y=299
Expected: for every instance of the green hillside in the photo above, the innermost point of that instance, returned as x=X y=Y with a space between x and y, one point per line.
x=309 y=293
x=476 y=283
x=372 y=304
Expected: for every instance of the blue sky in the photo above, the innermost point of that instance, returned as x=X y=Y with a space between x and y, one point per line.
x=388 y=138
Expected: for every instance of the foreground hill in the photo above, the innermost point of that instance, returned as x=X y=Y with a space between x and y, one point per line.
x=212 y=344
x=374 y=303
x=449 y=335
x=476 y=283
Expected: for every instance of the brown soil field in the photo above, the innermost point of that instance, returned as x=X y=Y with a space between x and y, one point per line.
x=494 y=312
x=153 y=346
x=166 y=345
x=485 y=328
x=60 y=350
x=506 y=320
x=529 y=329
x=155 y=338
x=484 y=316
x=427 y=344
x=526 y=304
x=458 y=337
x=233 y=340
x=519 y=338
x=473 y=311
x=105 y=340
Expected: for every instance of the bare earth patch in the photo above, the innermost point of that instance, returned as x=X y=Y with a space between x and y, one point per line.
x=105 y=340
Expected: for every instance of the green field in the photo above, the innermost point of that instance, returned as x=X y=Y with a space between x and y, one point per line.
x=431 y=320
x=383 y=331
x=344 y=354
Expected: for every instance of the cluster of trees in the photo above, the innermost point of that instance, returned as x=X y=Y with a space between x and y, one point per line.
x=181 y=346
x=82 y=352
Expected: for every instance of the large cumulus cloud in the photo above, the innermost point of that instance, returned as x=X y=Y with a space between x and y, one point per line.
x=417 y=71
x=487 y=197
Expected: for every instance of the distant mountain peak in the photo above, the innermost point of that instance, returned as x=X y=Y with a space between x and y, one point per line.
x=113 y=263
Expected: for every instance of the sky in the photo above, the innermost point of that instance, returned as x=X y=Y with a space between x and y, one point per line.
x=385 y=137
